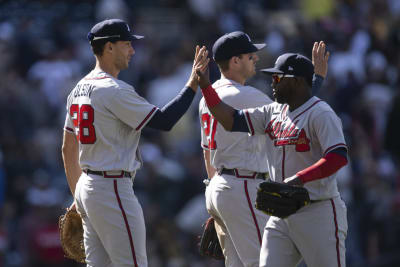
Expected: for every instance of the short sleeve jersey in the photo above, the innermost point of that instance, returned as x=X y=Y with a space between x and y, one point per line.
x=298 y=139
x=233 y=149
x=107 y=116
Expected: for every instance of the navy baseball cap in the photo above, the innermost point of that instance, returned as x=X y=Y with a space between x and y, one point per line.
x=294 y=65
x=233 y=44
x=115 y=29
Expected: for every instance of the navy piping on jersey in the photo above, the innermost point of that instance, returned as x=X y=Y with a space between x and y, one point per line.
x=165 y=118
x=145 y=119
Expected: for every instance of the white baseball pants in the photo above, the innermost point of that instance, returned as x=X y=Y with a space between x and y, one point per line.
x=316 y=233
x=113 y=223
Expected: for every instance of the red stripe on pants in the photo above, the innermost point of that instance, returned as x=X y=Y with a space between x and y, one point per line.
x=252 y=211
x=126 y=223
x=336 y=232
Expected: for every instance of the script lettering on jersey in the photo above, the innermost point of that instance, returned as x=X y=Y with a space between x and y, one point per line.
x=83 y=90
x=288 y=135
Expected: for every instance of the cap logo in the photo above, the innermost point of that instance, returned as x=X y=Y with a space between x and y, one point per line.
x=290 y=68
x=248 y=37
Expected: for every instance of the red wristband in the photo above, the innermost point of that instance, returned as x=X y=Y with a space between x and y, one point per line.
x=211 y=97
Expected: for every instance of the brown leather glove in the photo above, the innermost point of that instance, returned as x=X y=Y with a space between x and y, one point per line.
x=209 y=243
x=71 y=235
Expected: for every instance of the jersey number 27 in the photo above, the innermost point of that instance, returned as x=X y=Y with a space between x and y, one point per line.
x=210 y=128
x=83 y=119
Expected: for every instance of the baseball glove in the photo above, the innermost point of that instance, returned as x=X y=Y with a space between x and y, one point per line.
x=281 y=200
x=209 y=244
x=71 y=235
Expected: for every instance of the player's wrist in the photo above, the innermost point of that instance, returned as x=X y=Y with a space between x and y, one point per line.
x=193 y=85
x=211 y=97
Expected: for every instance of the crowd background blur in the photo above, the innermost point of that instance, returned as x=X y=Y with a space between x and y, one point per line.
x=44 y=52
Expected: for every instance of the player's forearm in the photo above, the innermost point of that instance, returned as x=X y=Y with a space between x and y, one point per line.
x=165 y=118
x=221 y=111
x=316 y=83
x=325 y=167
x=70 y=154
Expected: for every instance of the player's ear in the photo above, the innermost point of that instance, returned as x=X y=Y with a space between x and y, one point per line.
x=108 y=47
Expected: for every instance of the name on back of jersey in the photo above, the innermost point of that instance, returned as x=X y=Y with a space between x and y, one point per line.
x=84 y=89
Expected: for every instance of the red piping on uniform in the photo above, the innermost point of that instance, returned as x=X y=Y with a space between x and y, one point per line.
x=145 y=119
x=250 y=124
x=336 y=233
x=126 y=223
x=334 y=146
x=283 y=163
x=252 y=211
x=307 y=109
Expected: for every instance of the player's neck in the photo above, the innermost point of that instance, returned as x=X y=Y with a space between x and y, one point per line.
x=103 y=65
x=234 y=77
x=298 y=101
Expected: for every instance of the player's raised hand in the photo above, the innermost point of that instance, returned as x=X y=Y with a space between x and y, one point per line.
x=202 y=71
x=320 y=58
x=200 y=59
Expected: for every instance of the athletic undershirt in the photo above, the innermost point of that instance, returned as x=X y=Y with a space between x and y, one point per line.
x=165 y=118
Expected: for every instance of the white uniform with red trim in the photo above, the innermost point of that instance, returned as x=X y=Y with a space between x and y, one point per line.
x=297 y=140
x=107 y=116
x=230 y=198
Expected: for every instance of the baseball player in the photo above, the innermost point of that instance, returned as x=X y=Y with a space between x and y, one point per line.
x=237 y=162
x=103 y=124
x=306 y=147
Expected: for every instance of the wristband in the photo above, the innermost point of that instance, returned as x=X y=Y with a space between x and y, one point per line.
x=211 y=97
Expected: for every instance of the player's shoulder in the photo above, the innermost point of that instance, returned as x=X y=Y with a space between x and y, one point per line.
x=102 y=80
x=240 y=96
x=321 y=105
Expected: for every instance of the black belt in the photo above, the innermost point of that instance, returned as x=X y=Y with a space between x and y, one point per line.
x=107 y=174
x=235 y=172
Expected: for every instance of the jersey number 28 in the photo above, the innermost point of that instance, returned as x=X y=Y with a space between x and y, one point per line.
x=83 y=119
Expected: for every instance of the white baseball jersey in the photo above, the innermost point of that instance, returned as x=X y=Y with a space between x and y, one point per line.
x=233 y=149
x=107 y=116
x=298 y=139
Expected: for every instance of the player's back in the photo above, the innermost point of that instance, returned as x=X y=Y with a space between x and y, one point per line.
x=107 y=115
x=234 y=149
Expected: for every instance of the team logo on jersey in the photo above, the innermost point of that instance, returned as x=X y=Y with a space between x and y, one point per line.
x=290 y=135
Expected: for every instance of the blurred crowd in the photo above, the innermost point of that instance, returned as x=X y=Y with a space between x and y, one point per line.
x=44 y=52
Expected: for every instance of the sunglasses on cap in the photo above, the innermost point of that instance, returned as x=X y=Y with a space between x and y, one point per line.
x=278 y=77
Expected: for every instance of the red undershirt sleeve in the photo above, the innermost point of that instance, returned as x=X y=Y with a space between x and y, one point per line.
x=325 y=167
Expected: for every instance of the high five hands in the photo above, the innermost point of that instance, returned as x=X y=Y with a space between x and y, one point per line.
x=200 y=61
x=202 y=71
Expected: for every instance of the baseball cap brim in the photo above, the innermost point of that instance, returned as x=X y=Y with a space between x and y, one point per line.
x=271 y=71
